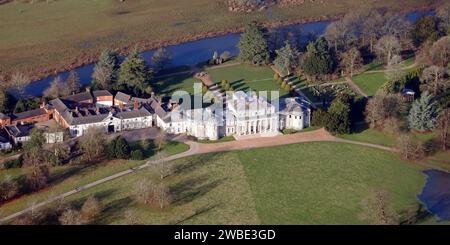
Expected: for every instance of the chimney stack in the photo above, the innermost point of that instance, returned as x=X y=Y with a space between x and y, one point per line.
x=135 y=105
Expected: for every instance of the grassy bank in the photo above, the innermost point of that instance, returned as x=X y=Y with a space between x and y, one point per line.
x=46 y=36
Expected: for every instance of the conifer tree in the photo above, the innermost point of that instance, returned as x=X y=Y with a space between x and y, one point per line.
x=287 y=58
x=423 y=113
x=134 y=73
x=105 y=71
x=253 y=46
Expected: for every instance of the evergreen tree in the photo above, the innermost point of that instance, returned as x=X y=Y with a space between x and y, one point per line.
x=423 y=113
x=425 y=28
x=134 y=73
x=338 y=121
x=318 y=59
x=105 y=71
x=253 y=46
x=122 y=148
x=287 y=58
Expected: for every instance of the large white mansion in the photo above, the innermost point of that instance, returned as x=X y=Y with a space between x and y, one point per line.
x=243 y=114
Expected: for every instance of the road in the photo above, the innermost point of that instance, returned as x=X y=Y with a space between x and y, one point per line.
x=198 y=148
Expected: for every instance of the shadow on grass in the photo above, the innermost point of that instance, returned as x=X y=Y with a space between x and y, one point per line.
x=197 y=212
x=114 y=210
x=194 y=163
x=188 y=190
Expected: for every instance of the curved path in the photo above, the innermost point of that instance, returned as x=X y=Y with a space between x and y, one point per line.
x=198 y=148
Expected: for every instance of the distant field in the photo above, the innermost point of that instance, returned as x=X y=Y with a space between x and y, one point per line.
x=49 y=35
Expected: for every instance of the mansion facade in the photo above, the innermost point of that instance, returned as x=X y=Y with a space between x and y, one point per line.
x=243 y=114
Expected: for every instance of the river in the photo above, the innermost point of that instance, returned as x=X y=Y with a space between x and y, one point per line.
x=192 y=53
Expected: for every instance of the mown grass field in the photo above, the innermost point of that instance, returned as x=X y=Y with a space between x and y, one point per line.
x=67 y=177
x=369 y=83
x=53 y=34
x=309 y=183
x=243 y=77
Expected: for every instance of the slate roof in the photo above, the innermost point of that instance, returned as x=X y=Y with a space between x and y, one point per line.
x=74 y=114
x=78 y=97
x=71 y=115
x=27 y=114
x=19 y=130
x=141 y=112
x=3 y=116
x=98 y=93
x=296 y=105
x=123 y=97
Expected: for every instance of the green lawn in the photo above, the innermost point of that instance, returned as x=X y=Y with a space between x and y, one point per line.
x=223 y=139
x=324 y=183
x=166 y=86
x=309 y=183
x=246 y=77
x=67 y=177
x=364 y=134
x=369 y=83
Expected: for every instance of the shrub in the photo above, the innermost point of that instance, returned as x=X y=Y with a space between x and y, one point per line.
x=276 y=77
x=279 y=80
x=410 y=148
x=15 y=163
x=90 y=210
x=122 y=148
x=319 y=118
x=289 y=131
x=8 y=188
x=137 y=155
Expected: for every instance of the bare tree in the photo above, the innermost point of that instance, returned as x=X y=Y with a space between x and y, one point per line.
x=440 y=52
x=443 y=128
x=160 y=140
x=352 y=61
x=382 y=107
x=388 y=46
x=396 y=25
x=371 y=29
x=38 y=177
x=91 y=209
x=19 y=81
x=443 y=13
x=144 y=190
x=70 y=216
x=92 y=142
x=394 y=69
x=434 y=79
x=57 y=88
x=162 y=195
x=73 y=83
x=161 y=164
x=338 y=34
x=103 y=76
x=410 y=148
